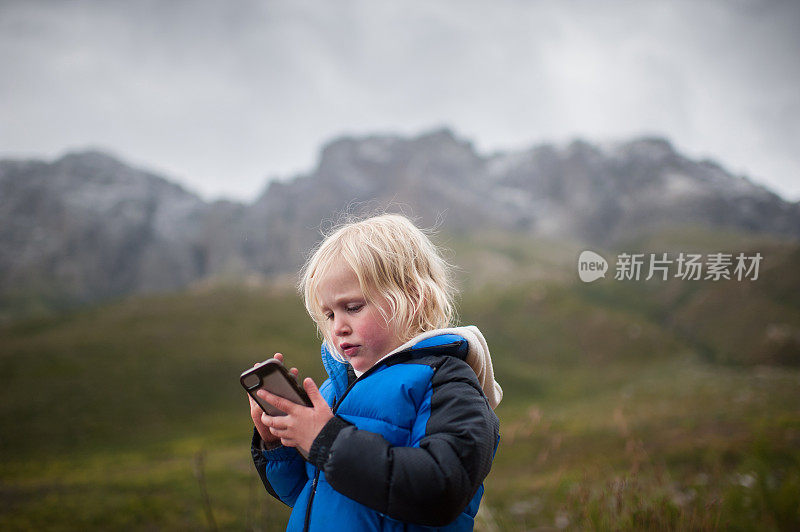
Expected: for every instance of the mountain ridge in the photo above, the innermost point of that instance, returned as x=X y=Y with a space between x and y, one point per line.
x=88 y=226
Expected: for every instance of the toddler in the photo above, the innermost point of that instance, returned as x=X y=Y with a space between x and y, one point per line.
x=402 y=433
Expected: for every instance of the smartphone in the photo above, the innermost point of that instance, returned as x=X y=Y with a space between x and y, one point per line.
x=273 y=377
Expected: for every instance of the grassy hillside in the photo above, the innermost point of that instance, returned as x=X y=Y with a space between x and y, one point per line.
x=129 y=415
x=615 y=422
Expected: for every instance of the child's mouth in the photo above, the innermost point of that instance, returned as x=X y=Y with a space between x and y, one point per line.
x=349 y=350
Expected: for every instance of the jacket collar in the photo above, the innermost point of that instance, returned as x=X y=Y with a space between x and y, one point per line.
x=337 y=370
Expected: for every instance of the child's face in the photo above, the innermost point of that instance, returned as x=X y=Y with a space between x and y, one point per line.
x=356 y=326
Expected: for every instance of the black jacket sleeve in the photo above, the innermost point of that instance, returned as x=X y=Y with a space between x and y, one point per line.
x=430 y=484
x=260 y=462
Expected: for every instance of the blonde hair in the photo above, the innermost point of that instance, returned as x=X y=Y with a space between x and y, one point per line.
x=393 y=259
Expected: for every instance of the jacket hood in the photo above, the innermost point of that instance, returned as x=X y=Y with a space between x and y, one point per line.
x=477 y=357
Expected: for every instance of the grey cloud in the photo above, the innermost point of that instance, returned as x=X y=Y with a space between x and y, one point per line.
x=223 y=94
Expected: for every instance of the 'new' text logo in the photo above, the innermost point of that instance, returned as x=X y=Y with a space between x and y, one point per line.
x=591 y=266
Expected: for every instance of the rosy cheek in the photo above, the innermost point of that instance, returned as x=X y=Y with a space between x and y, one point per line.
x=372 y=328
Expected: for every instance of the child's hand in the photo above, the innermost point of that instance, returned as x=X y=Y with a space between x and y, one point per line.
x=301 y=424
x=256 y=411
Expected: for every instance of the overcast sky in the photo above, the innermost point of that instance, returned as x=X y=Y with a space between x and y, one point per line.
x=223 y=95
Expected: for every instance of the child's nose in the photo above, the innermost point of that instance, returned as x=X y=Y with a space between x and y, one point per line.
x=341 y=327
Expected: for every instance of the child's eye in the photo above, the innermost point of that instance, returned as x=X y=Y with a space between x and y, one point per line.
x=329 y=315
x=354 y=308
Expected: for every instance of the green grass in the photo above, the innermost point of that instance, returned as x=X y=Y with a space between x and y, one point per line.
x=678 y=444
x=613 y=418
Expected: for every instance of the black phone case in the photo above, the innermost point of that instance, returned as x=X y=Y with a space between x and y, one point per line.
x=268 y=368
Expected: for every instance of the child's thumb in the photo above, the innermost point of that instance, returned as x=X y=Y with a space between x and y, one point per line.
x=313 y=393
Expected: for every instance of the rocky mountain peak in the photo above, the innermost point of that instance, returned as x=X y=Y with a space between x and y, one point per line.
x=88 y=225
x=88 y=161
x=649 y=147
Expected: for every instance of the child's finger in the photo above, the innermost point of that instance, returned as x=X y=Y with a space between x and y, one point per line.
x=313 y=393
x=294 y=372
x=254 y=407
x=280 y=403
x=274 y=422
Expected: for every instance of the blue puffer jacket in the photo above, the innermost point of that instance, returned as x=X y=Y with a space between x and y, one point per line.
x=409 y=446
